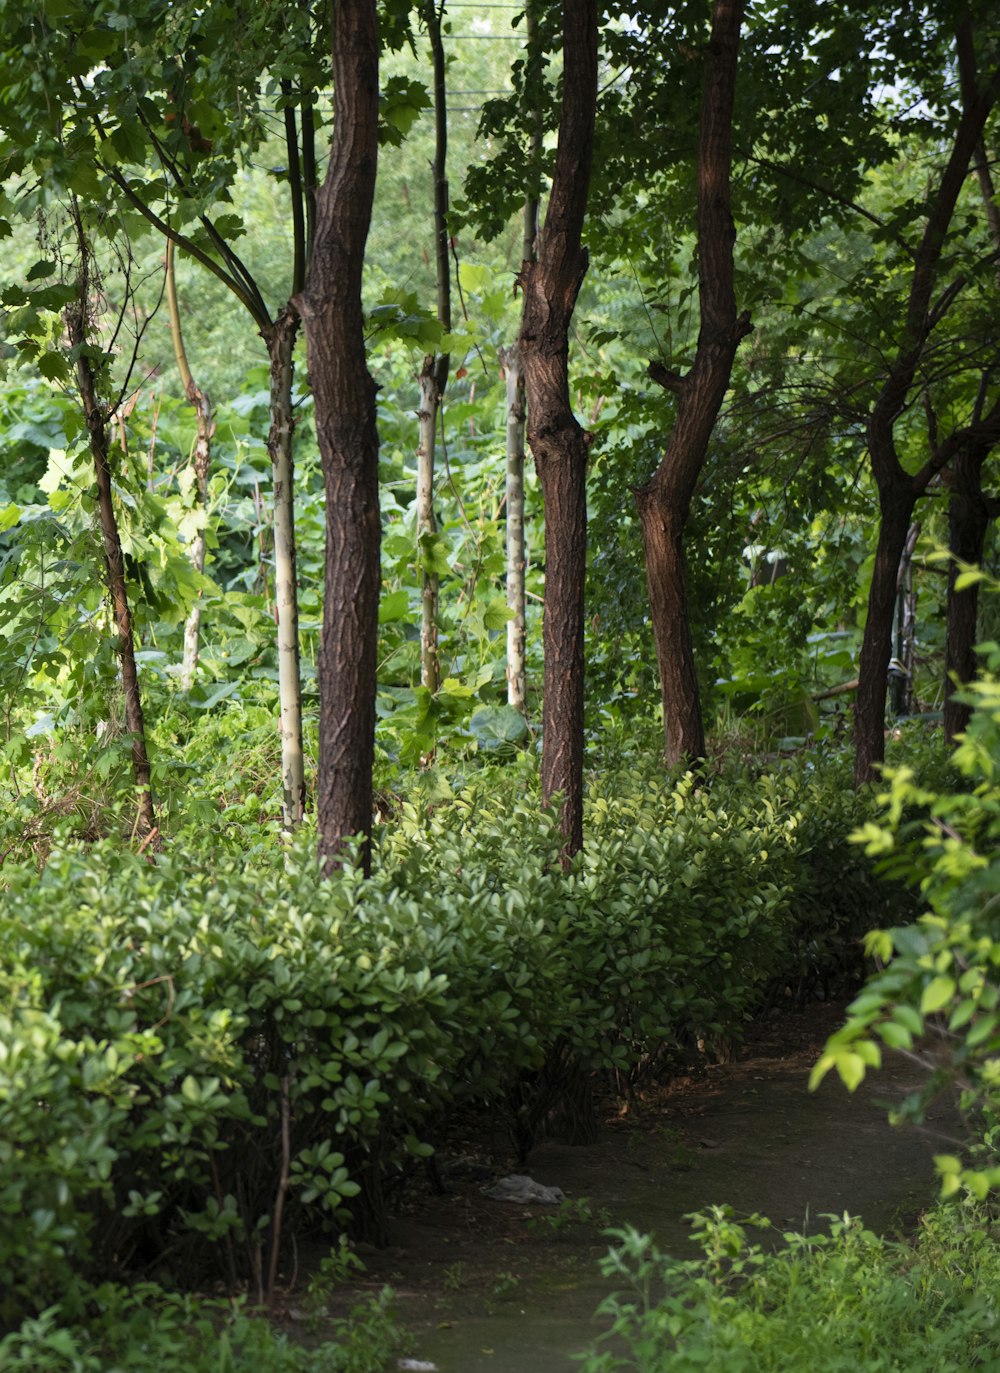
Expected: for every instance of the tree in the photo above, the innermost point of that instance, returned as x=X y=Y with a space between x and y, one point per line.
x=346 y=430
x=434 y=373
x=927 y=303
x=559 y=444
x=510 y=361
x=201 y=458
x=98 y=415
x=145 y=127
x=664 y=502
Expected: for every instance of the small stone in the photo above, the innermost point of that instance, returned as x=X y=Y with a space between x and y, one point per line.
x=524 y=1191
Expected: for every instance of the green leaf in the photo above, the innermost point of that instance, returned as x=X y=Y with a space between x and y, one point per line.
x=851 y=1067
x=938 y=992
x=497 y=727
x=394 y=607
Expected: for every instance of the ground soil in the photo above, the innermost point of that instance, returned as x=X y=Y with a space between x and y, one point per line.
x=486 y=1285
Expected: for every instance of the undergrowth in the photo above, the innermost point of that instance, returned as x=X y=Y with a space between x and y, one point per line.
x=831 y=1302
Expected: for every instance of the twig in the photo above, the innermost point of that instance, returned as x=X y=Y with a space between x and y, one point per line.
x=279 y=1200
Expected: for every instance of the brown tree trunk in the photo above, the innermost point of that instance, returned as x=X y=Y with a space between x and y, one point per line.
x=969 y=515
x=347 y=435
x=665 y=501
x=97 y=429
x=551 y=285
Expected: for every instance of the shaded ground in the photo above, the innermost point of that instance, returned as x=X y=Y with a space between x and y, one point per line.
x=485 y=1285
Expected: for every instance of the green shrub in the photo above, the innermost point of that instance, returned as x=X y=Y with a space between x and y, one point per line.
x=938 y=993
x=207 y=1053
x=826 y=1303
x=147 y=1330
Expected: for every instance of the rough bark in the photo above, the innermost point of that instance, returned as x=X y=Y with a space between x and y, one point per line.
x=899 y=490
x=515 y=539
x=347 y=435
x=97 y=429
x=280 y=340
x=201 y=459
x=664 y=502
x=551 y=285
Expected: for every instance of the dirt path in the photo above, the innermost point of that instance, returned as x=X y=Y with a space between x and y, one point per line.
x=485 y=1285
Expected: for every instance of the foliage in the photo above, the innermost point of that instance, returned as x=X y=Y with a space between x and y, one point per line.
x=186 y=1016
x=146 y=1330
x=831 y=1302
x=938 y=992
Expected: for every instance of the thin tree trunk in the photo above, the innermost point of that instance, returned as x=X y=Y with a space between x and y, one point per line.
x=904 y=647
x=348 y=438
x=969 y=514
x=969 y=510
x=430 y=670
x=434 y=373
x=896 y=504
x=280 y=345
x=201 y=459
x=97 y=429
x=551 y=285
x=665 y=501
x=516 y=550
x=517 y=553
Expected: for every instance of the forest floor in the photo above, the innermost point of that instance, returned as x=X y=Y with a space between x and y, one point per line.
x=487 y=1285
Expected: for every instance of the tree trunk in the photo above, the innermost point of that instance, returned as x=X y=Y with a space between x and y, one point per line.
x=97 y=429
x=434 y=373
x=348 y=439
x=280 y=344
x=551 y=285
x=510 y=361
x=905 y=645
x=516 y=552
x=201 y=458
x=663 y=520
x=430 y=400
x=968 y=521
x=896 y=504
x=665 y=501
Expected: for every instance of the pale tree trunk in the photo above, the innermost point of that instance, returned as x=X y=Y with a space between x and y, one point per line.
x=97 y=429
x=516 y=547
x=516 y=540
x=201 y=458
x=898 y=490
x=347 y=435
x=430 y=670
x=905 y=648
x=664 y=503
x=280 y=343
x=551 y=285
x=434 y=373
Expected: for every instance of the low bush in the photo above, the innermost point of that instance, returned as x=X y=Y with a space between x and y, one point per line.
x=205 y=1054
x=827 y=1303
x=147 y=1330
